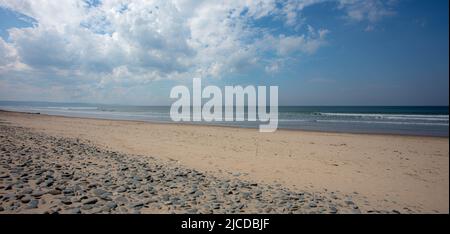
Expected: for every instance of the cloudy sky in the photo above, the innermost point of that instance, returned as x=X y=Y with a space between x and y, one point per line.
x=319 y=52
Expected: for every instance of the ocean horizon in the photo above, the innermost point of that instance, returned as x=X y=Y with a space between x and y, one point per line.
x=401 y=120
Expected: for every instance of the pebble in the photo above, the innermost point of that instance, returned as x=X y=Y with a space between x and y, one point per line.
x=99 y=192
x=121 y=189
x=106 y=197
x=33 y=204
x=333 y=210
x=65 y=201
x=38 y=193
x=86 y=207
x=121 y=200
x=111 y=205
x=137 y=205
x=83 y=178
x=54 y=192
x=90 y=201
x=26 y=199
x=27 y=191
x=76 y=210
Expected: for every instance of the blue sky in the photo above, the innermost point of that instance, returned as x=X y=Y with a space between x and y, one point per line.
x=319 y=52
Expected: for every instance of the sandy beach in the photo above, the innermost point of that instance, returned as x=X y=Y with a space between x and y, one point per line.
x=331 y=172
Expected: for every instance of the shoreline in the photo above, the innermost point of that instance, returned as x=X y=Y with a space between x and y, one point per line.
x=408 y=174
x=228 y=126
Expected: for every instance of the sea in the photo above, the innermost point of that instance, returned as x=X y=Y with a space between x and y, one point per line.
x=399 y=120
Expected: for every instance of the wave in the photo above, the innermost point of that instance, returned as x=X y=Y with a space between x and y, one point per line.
x=70 y=108
x=389 y=116
x=383 y=122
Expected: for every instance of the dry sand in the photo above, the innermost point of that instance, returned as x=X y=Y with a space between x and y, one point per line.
x=383 y=172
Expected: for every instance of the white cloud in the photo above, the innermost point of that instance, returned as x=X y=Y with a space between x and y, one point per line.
x=292 y=10
x=151 y=39
x=140 y=41
x=308 y=43
x=371 y=11
x=9 y=59
x=272 y=68
x=9 y=55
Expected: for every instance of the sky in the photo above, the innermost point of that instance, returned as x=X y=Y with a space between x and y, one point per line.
x=319 y=52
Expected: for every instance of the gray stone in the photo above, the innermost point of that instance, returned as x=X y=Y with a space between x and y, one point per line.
x=99 y=192
x=27 y=191
x=121 y=189
x=192 y=211
x=121 y=200
x=26 y=199
x=245 y=195
x=111 y=205
x=333 y=210
x=165 y=197
x=54 y=192
x=48 y=183
x=86 y=207
x=33 y=204
x=106 y=197
x=74 y=211
x=38 y=193
x=193 y=190
x=90 y=201
x=137 y=205
x=65 y=201
x=68 y=192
